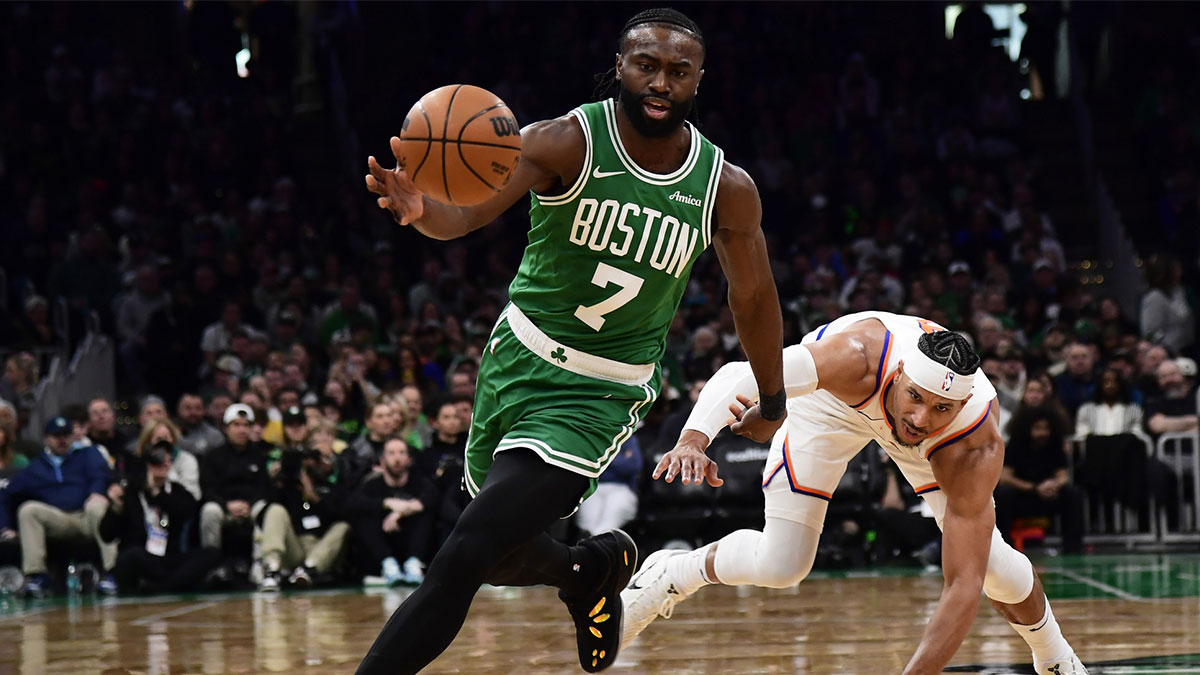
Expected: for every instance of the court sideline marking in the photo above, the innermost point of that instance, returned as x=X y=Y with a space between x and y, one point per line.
x=1100 y=585
x=178 y=611
x=25 y=613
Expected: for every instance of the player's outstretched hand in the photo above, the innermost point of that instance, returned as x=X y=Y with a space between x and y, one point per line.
x=687 y=459
x=396 y=191
x=750 y=424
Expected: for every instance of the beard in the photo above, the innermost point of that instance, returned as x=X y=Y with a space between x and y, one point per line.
x=631 y=103
x=896 y=437
x=1174 y=391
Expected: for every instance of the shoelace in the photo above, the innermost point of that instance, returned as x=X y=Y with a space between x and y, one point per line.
x=667 y=607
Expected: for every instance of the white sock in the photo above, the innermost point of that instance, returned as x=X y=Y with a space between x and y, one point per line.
x=1045 y=638
x=688 y=570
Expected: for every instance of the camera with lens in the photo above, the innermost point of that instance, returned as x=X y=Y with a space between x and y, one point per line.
x=291 y=462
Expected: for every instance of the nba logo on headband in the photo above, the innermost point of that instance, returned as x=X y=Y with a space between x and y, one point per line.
x=936 y=376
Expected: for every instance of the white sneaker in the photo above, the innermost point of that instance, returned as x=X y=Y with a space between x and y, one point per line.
x=650 y=594
x=1067 y=666
x=300 y=577
x=414 y=572
x=269 y=583
x=391 y=572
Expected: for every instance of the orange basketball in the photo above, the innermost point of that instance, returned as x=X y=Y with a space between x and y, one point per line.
x=460 y=144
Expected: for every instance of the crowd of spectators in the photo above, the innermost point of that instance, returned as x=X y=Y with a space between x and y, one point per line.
x=302 y=370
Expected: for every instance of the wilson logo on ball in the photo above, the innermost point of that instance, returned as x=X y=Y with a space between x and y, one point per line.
x=505 y=126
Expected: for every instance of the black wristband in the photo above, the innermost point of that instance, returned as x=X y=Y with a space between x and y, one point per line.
x=773 y=406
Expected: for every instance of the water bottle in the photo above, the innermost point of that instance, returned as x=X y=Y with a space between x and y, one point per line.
x=89 y=577
x=72 y=579
x=11 y=579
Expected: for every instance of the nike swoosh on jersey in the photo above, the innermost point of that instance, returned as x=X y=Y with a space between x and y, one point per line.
x=597 y=173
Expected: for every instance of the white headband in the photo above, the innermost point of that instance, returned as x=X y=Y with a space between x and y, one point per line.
x=935 y=377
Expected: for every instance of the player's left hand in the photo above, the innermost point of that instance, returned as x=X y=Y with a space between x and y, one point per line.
x=687 y=458
x=750 y=424
x=395 y=189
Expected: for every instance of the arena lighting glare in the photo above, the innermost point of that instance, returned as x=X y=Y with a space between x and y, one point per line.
x=1005 y=16
x=242 y=58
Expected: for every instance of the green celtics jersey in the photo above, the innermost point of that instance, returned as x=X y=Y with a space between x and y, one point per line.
x=609 y=259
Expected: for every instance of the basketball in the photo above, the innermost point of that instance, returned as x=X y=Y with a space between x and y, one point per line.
x=460 y=144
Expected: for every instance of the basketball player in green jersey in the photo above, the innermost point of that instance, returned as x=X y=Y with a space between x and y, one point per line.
x=625 y=195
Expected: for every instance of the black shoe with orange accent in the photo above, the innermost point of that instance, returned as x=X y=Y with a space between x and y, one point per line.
x=598 y=615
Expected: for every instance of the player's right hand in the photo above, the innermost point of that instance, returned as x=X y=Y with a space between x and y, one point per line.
x=750 y=424
x=687 y=458
x=396 y=191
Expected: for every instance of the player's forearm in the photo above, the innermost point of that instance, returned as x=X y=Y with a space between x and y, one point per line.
x=947 y=628
x=1009 y=478
x=711 y=412
x=1017 y=483
x=445 y=221
x=759 y=323
x=1163 y=424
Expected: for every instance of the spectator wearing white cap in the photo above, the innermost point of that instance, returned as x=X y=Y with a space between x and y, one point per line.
x=1187 y=368
x=1173 y=410
x=233 y=478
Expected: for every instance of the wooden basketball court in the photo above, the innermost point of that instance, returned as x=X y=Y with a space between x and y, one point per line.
x=1123 y=614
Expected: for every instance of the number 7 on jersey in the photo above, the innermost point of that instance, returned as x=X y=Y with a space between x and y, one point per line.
x=630 y=285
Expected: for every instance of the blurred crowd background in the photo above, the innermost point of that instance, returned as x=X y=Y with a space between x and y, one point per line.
x=292 y=373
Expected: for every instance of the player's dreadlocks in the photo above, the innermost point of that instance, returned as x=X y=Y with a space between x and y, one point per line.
x=951 y=350
x=674 y=18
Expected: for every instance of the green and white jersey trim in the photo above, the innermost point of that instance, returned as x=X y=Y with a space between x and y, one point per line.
x=710 y=198
x=579 y=465
x=651 y=178
x=647 y=176
x=580 y=182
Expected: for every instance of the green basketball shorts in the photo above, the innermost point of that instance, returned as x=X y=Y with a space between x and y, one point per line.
x=573 y=409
